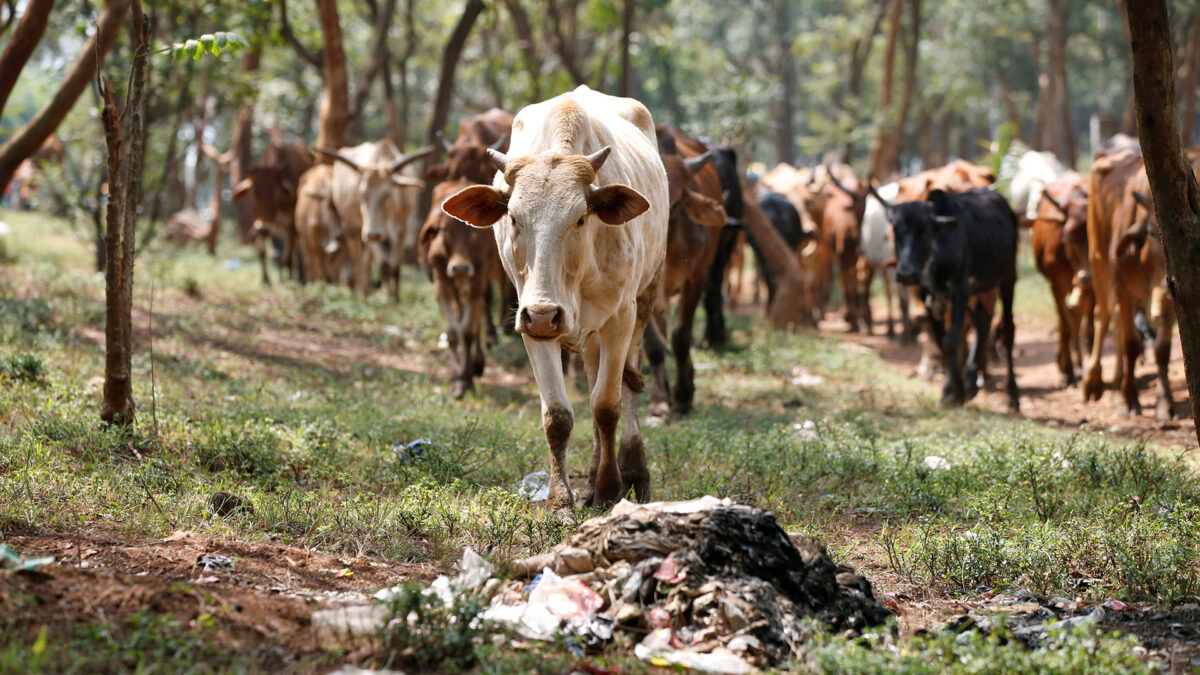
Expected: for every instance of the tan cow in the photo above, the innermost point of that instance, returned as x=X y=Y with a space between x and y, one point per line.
x=271 y=185
x=318 y=226
x=1060 y=249
x=580 y=213
x=374 y=202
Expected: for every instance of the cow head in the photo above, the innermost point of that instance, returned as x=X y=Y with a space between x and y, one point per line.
x=385 y=195
x=917 y=228
x=467 y=160
x=544 y=216
x=684 y=199
x=446 y=242
x=271 y=189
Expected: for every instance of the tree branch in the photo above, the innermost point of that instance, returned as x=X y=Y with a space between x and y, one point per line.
x=314 y=58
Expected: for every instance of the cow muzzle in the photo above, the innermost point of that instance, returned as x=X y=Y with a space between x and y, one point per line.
x=460 y=268
x=542 y=321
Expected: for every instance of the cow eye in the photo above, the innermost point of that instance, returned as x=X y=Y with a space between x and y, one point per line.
x=580 y=221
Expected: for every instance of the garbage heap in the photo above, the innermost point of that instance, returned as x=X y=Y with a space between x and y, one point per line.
x=706 y=584
x=693 y=577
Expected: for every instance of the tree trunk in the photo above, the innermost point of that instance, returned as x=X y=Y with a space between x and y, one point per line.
x=1061 y=135
x=785 y=131
x=1190 y=79
x=879 y=168
x=124 y=180
x=21 y=45
x=198 y=125
x=528 y=46
x=1176 y=195
x=30 y=137
x=379 y=56
x=858 y=62
x=1010 y=104
x=441 y=102
x=1129 y=115
x=410 y=48
x=891 y=156
x=626 y=87
x=563 y=43
x=335 y=103
x=243 y=142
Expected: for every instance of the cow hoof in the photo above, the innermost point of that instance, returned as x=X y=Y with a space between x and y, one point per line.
x=1093 y=388
x=459 y=388
x=477 y=368
x=1162 y=413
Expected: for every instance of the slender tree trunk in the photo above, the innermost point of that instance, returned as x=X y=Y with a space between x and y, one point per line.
x=627 y=15
x=21 y=45
x=1038 y=140
x=172 y=186
x=858 y=62
x=30 y=137
x=1176 y=194
x=378 y=57
x=1062 y=141
x=785 y=131
x=335 y=103
x=528 y=44
x=891 y=156
x=124 y=180
x=879 y=167
x=441 y=102
x=198 y=125
x=1129 y=115
x=1010 y=104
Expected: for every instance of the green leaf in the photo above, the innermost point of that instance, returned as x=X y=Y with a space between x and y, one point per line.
x=177 y=51
x=207 y=41
x=221 y=39
x=194 y=48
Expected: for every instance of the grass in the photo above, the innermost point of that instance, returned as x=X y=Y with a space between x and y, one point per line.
x=299 y=398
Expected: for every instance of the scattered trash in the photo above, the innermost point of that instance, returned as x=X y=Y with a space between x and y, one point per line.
x=1115 y=605
x=225 y=504
x=209 y=579
x=535 y=487
x=806 y=430
x=393 y=330
x=11 y=561
x=5 y=228
x=232 y=263
x=657 y=650
x=214 y=563
x=801 y=377
x=412 y=450
x=937 y=463
x=349 y=628
x=443 y=341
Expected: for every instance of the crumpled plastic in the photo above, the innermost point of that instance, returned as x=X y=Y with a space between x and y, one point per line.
x=656 y=649
x=555 y=602
x=473 y=573
x=535 y=487
x=12 y=561
x=214 y=563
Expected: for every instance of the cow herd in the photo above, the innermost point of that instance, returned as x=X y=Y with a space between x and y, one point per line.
x=578 y=222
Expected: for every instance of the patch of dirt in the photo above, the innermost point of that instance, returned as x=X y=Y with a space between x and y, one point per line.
x=262 y=606
x=1042 y=398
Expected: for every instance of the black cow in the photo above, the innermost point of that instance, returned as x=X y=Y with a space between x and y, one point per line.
x=787 y=222
x=725 y=162
x=959 y=249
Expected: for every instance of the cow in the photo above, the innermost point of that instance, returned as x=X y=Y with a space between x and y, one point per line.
x=579 y=211
x=693 y=234
x=318 y=226
x=374 y=201
x=1032 y=173
x=465 y=267
x=878 y=254
x=786 y=221
x=467 y=157
x=1128 y=271
x=960 y=249
x=1060 y=249
x=271 y=184
x=804 y=188
x=844 y=201
x=737 y=206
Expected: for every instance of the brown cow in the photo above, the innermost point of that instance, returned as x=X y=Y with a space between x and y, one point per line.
x=272 y=183
x=844 y=202
x=467 y=157
x=1128 y=271
x=693 y=234
x=803 y=187
x=465 y=267
x=318 y=227
x=1059 y=241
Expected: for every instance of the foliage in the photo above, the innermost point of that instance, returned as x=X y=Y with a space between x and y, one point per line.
x=209 y=43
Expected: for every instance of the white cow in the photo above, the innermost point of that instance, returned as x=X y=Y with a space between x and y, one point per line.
x=877 y=254
x=580 y=211
x=1034 y=171
x=374 y=202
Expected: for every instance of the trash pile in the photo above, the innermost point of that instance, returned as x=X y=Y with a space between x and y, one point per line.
x=705 y=584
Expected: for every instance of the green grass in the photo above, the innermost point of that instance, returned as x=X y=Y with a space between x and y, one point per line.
x=297 y=398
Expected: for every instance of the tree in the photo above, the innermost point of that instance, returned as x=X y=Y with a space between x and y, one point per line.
x=21 y=45
x=25 y=142
x=627 y=15
x=124 y=181
x=885 y=151
x=335 y=103
x=1172 y=183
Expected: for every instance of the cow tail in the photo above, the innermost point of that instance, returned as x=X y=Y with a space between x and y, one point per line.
x=633 y=379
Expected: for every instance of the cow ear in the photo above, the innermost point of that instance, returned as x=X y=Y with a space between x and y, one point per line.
x=428 y=233
x=1142 y=199
x=478 y=205
x=288 y=187
x=243 y=188
x=702 y=210
x=616 y=204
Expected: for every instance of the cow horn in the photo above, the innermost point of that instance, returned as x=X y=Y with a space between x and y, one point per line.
x=596 y=159
x=499 y=159
x=873 y=193
x=838 y=183
x=1052 y=200
x=694 y=164
x=411 y=157
x=337 y=156
x=500 y=142
x=441 y=137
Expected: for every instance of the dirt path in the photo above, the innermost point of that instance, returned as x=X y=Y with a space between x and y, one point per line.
x=1042 y=398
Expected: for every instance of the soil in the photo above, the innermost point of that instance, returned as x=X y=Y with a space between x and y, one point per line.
x=261 y=607
x=1043 y=399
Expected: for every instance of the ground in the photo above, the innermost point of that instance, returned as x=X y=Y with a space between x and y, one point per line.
x=302 y=400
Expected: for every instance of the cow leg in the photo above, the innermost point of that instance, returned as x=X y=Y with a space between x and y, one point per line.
x=391 y=268
x=864 y=276
x=1068 y=334
x=459 y=380
x=715 y=334
x=656 y=353
x=977 y=357
x=364 y=271
x=591 y=362
x=614 y=340
x=909 y=336
x=1164 y=406
x=953 y=393
x=632 y=461
x=558 y=419
x=849 y=282
x=489 y=299
x=1129 y=348
x=477 y=310
x=1008 y=333
x=1102 y=308
x=260 y=243
x=681 y=346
